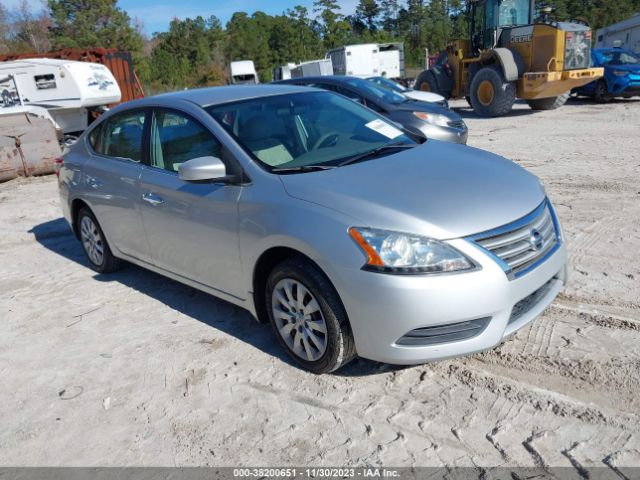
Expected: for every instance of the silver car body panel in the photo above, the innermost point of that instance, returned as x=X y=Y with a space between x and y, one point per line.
x=210 y=236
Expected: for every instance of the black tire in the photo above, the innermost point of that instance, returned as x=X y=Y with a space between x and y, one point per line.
x=340 y=347
x=426 y=82
x=107 y=263
x=503 y=93
x=550 y=103
x=601 y=94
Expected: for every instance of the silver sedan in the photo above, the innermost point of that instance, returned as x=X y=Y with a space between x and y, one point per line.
x=321 y=217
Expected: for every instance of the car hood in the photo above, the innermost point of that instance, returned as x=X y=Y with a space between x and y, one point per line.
x=423 y=96
x=438 y=189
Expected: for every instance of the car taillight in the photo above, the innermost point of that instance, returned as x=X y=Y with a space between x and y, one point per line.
x=57 y=165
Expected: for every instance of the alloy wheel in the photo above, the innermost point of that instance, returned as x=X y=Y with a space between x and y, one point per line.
x=92 y=240
x=299 y=319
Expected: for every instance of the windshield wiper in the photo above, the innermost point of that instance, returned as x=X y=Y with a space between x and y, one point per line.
x=303 y=168
x=375 y=152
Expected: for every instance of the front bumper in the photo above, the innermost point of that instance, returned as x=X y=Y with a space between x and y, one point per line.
x=384 y=308
x=625 y=86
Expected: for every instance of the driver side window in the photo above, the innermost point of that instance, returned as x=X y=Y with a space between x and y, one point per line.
x=177 y=138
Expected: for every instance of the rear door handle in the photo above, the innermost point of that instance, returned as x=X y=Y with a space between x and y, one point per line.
x=152 y=199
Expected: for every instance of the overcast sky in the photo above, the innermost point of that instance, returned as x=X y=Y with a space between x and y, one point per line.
x=156 y=14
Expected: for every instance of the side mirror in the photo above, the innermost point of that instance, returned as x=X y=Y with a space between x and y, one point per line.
x=202 y=168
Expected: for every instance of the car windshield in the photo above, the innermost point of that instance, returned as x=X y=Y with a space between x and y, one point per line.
x=388 y=84
x=320 y=129
x=618 y=57
x=376 y=91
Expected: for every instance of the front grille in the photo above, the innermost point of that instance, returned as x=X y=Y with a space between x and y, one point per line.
x=577 y=50
x=527 y=303
x=521 y=246
x=454 y=332
x=456 y=124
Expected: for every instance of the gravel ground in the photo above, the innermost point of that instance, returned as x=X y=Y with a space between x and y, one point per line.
x=135 y=369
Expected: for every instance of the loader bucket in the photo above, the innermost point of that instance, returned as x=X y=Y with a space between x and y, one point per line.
x=28 y=145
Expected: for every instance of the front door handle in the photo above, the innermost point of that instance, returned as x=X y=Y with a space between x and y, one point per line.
x=152 y=199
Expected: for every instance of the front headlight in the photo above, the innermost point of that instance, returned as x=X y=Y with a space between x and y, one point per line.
x=433 y=118
x=396 y=252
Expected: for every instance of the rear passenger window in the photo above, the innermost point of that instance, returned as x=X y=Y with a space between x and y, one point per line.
x=176 y=138
x=122 y=136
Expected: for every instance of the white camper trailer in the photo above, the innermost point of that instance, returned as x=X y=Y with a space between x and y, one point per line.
x=68 y=90
x=314 y=68
x=243 y=72
x=624 y=34
x=369 y=60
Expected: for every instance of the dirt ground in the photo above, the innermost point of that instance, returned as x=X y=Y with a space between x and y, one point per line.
x=135 y=369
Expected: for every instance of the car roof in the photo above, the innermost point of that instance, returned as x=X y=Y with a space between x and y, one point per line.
x=205 y=97
x=324 y=78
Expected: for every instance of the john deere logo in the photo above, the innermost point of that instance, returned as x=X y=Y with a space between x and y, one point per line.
x=535 y=239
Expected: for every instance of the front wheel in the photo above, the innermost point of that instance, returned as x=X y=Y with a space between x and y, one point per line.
x=491 y=95
x=550 y=103
x=601 y=95
x=94 y=243
x=308 y=317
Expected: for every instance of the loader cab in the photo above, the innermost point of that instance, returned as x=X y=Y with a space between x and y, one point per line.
x=489 y=17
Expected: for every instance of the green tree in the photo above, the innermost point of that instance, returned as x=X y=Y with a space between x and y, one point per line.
x=369 y=10
x=389 y=10
x=92 y=23
x=248 y=39
x=335 y=29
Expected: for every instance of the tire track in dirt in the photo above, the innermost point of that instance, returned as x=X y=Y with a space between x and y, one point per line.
x=538 y=397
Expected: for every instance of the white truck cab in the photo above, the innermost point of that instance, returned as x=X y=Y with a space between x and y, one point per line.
x=243 y=72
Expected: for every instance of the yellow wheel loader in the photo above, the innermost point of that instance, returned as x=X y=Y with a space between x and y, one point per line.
x=509 y=56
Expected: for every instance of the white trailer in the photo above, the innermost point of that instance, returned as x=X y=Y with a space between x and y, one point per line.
x=243 y=72
x=391 y=60
x=68 y=90
x=625 y=34
x=369 y=60
x=357 y=60
x=313 y=68
x=283 y=72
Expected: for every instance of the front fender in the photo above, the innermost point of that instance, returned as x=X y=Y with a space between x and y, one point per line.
x=318 y=232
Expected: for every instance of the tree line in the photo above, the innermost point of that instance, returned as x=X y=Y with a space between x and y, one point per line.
x=195 y=51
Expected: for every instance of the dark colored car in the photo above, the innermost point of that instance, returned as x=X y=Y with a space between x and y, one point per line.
x=418 y=118
x=621 y=75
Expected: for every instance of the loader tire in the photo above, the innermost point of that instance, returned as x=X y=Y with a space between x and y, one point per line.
x=550 y=103
x=426 y=82
x=491 y=95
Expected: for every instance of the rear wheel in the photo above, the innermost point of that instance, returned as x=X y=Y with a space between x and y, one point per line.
x=601 y=93
x=550 y=103
x=491 y=95
x=308 y=317
x=94 y=243
x=426 y=82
